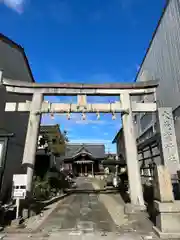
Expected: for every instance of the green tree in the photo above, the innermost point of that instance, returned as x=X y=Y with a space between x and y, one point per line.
x=54 y=141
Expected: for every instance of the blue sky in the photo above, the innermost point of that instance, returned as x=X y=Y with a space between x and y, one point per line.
x=93 y=41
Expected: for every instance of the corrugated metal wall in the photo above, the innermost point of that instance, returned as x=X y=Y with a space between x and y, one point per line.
x=163 y=60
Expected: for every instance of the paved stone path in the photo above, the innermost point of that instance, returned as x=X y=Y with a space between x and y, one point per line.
x=83 y=216
x=80 y=212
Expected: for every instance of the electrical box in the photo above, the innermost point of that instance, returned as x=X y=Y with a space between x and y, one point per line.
x=19 y=186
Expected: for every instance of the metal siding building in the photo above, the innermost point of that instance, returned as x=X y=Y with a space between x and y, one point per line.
x=161 y=62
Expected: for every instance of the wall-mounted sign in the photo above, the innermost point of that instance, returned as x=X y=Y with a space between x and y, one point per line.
x=19 y=186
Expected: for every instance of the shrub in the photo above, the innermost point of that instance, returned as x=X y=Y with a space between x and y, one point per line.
x=41 y=189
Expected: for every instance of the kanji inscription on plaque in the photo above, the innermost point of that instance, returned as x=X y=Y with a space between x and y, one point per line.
x=81 y=99
x=168 y=139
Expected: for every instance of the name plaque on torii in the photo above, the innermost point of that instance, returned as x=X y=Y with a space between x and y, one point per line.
x=82 y=100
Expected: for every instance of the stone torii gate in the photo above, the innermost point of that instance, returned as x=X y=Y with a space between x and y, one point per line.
x=37 y=106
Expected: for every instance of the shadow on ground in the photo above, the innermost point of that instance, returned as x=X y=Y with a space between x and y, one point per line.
x=96 y=191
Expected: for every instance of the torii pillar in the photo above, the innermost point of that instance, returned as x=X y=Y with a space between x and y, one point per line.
x=32 y=137
x=135 y=186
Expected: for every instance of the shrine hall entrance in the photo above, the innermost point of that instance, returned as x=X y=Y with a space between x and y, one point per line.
x=83 y=167
x=84 y=158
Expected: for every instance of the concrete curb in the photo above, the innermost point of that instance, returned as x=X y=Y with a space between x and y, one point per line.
x=55 y=199
x=115 y=209
x=35 y=222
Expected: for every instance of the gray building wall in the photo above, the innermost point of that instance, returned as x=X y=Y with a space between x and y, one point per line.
x=162 y=62
x=14 y=66
x=120 y=145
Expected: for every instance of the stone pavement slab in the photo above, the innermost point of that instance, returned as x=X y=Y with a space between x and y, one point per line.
x=77 y=235
x=114 y=205
x=91 y=216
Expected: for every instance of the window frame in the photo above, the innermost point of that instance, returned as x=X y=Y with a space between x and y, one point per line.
x=3 y=141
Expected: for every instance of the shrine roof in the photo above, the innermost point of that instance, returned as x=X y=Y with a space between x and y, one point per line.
x=95 y=151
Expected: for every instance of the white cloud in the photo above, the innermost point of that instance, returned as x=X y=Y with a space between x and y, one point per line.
x=91 y=140
x=84 y=122
x=16 y=5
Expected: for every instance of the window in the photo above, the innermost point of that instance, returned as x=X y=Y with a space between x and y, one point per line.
x=145 y=121
x=3 y=147
x=54 y=141
x=1 y=153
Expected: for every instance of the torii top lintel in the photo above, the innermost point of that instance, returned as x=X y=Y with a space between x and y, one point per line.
x=79 y=88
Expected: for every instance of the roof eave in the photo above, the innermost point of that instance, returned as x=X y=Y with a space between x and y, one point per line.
x=117 y=135
x=73 y=158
